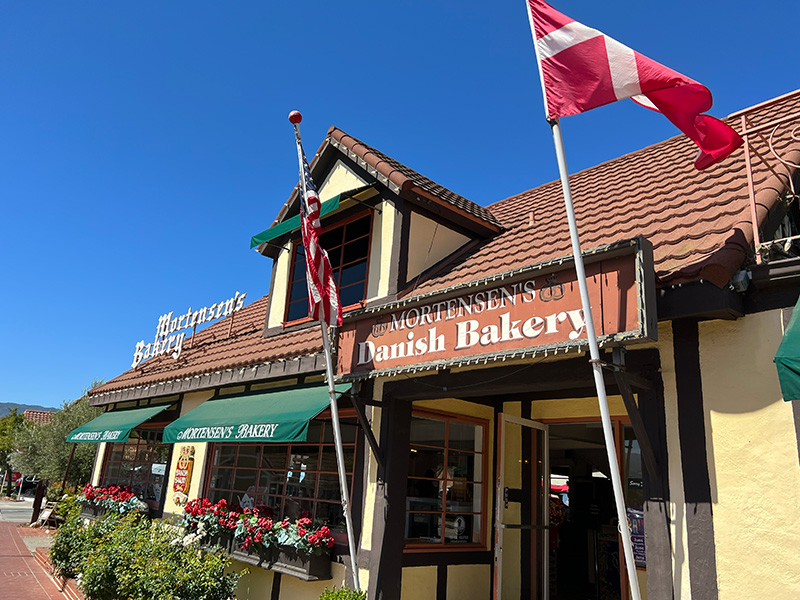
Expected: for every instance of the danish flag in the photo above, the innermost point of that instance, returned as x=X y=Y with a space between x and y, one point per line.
x=581 y=68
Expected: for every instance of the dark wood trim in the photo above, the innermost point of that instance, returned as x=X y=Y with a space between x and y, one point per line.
x=301 y=365
x=399 y=248
x=366 y=428
x=701 y=300
x=648 y=456
x=464 y=557
x=658 y=541
x=386 y=557
x=527 y=502
x=357 y=491
x=441 y=582
x=694 y=463
x=276 y=586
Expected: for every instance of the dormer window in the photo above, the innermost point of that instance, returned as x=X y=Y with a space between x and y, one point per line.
x=348 y=246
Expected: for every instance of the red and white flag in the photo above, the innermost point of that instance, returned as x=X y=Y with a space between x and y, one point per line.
x=322 y=293
x=581 y=68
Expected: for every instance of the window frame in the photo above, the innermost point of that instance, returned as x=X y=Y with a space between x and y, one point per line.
x=337 y=272
x=157 y=506
x=325 y=416
x=442 y=546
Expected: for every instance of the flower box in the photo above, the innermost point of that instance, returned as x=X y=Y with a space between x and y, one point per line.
x=286 y=560
x=91 y=511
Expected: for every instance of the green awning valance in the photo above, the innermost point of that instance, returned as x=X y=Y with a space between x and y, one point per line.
x=280 y=415
x=291 y=224
x=114 y=426
x=787 y=358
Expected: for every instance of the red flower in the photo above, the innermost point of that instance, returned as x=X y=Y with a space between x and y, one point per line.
x=301 y=532
x=330 y=542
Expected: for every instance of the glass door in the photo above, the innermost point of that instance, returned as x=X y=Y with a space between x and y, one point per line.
x=521 y=510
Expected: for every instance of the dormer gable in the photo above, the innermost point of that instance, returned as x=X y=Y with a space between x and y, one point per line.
x=386 y=229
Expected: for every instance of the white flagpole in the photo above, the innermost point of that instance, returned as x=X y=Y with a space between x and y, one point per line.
x=337 y=438
x=294 y=118
x=597 y=369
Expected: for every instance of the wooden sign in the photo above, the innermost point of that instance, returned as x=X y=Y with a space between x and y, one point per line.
x=526 y=311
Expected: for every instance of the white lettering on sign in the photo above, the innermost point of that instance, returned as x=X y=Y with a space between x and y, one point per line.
x=516 y=323
x=169 y=341
x=97 y=436
x=213 y=433
x=260 y=430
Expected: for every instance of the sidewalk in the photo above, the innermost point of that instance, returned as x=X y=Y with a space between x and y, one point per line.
x=21 y=577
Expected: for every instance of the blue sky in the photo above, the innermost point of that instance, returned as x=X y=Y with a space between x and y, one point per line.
x=143 y=143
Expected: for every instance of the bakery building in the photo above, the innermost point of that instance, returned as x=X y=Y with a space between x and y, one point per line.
x=472 y=435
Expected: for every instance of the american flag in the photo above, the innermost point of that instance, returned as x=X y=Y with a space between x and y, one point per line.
x=322 y=292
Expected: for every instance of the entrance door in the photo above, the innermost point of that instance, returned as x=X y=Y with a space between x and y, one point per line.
x=521 y=510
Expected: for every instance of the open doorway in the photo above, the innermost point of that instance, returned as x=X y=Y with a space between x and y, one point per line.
x=584 y=541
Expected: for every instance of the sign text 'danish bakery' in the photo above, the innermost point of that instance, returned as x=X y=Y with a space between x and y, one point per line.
x=495 y=319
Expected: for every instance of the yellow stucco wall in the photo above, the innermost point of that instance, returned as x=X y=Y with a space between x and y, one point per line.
x=753 y=462
x=339 y=179
x=98 y=463
x=190 y=402
x=280 y=284
x=418 y=583
x=372 y=472
x=469 y=582
x=256 y=584
x=431 y=243
x=380 y=252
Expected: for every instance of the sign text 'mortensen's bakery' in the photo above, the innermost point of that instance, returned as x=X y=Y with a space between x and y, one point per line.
x=422 y=337
x=229 y=432
x=168 y=340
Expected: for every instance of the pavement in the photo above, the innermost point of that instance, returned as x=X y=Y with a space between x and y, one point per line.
x=21 y=576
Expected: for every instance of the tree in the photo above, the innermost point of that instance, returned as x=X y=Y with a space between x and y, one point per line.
x=43 y=450
x=9 y=426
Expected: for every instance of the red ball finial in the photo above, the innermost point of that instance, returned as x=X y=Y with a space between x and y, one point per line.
x=295 y=117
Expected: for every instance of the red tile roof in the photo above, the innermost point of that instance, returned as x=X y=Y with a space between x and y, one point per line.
x=214 y=350
x=698 y=221
x=38 y=417
x=397 y=177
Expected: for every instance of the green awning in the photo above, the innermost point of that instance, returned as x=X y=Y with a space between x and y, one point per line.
x=280 y=415
x=291 y=224
x=114 y=426
x=787 y=358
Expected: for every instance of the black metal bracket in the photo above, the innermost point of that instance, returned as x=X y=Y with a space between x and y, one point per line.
x=367 y=429
x=622 y=377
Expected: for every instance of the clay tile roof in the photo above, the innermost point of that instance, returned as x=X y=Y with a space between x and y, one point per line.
x=698 y=221
x=38 y=417
x=402 y=178
x=214 y=350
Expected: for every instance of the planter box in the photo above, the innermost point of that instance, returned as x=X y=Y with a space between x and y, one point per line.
x=90 y=511
x=287 y=561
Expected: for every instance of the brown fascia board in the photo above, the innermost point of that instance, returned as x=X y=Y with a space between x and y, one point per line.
x=416 y=193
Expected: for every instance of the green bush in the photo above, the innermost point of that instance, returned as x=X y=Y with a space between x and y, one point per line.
x=342 y=594
x=74 y=542
x=131 y=558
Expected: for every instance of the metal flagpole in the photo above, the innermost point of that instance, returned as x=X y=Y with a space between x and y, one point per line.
x=337 y=438
x=597 y=369
x=337 y=431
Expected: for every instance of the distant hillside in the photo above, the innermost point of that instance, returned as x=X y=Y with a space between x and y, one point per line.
x=6 y=407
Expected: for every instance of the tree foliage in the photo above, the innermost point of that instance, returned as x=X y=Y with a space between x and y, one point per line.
x=9 y=426
x=42 y=450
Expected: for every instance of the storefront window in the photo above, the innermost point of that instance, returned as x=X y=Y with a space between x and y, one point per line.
x=348 y=250
x=447 y=475
x=140 y=463
x=288 y=478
